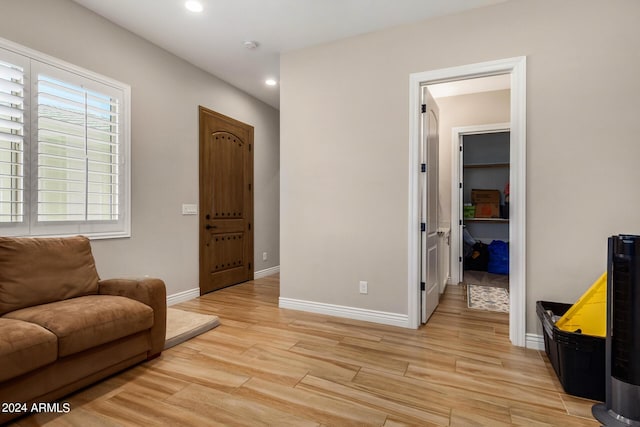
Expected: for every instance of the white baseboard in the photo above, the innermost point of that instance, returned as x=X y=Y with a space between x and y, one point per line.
x=535 y=341
x=266 y=272
x=383 y=317
x=195 y=292
x=183 y=296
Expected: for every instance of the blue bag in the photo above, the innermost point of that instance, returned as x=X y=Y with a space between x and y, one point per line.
x=498 y=257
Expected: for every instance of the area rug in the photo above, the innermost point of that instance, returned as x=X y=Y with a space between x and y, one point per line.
x=183 y=325
x=488 y=298
x=485 y=278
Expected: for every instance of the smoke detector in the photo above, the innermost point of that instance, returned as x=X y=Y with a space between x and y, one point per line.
x=250 y=44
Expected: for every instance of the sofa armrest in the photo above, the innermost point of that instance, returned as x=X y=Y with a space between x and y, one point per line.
x=149 y=291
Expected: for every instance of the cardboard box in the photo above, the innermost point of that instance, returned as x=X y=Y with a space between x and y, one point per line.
x=485 y=196
x=487 y=210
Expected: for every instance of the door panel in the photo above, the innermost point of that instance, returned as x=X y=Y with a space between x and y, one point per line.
x=226 y=201
x=226 y=158
x=430 y=294
x=432 y=297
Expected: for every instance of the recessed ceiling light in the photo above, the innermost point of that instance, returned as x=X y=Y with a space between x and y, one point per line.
x=270 y=82
x=193 y=6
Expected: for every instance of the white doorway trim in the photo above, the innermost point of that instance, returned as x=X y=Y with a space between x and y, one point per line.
x=516 y=67
x=456 y=178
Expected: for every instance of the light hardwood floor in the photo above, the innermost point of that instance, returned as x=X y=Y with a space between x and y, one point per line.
x=268 y=366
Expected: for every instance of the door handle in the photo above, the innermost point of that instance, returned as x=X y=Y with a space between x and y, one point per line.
x=209 y=227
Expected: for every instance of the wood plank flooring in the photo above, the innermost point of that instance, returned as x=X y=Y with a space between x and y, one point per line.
x=269 y=366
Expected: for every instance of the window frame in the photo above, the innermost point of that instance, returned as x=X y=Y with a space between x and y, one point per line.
x=73 y=74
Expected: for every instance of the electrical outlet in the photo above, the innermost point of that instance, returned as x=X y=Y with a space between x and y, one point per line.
x=364 y=287
x=264 y=256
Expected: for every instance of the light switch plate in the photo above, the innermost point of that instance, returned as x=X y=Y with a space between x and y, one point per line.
x=189 y=209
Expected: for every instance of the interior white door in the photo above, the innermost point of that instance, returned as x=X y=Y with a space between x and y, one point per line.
x=430 y=295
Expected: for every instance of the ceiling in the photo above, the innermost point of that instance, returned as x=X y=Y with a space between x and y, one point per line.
x=213 y=40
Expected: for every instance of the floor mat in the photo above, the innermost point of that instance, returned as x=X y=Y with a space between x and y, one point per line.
x=486 y=279
x=488 y=298
x=183 y=325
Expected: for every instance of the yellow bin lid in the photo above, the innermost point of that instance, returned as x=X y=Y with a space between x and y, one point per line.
x=589 y=313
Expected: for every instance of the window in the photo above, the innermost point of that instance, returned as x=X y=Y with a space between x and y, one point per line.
x=64 y=148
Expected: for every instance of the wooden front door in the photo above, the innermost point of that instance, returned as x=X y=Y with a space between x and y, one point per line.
x=226 y=201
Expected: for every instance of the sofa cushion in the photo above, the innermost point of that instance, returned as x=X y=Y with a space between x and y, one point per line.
x=85 y=322
x=24 y=347
x=41 y=270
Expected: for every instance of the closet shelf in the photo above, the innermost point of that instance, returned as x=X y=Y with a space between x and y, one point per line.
x=492 y=220
x=486 y=165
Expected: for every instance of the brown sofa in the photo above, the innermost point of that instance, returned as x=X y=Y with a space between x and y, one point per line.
x=61 y=327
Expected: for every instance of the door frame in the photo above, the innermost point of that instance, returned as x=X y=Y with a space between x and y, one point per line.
x=456 y=177
x=516 y=67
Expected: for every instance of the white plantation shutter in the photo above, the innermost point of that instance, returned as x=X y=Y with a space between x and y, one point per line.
x=78 y=153
x=65 y=170
x=12 y=119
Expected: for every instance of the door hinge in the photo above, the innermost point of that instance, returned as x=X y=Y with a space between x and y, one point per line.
x=423 y=286
x=249 y=267
x=460 y=185
x=423 y=108
x=249 y=226
x=423 y=167
x=460 y=222
x=249 y=187
x=459 y=259
x=423 y=226
x=249 y=147
x=461 y=148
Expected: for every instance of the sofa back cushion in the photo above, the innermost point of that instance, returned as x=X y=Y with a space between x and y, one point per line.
x=36 y=271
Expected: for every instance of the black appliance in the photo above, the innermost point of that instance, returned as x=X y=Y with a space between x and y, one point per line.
x=622 y=369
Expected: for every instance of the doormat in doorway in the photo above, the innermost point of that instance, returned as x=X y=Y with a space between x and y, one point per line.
x=488 y=298
x=184 y=325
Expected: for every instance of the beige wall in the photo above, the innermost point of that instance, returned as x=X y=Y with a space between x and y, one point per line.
x=345 y=133
x=166 y=92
